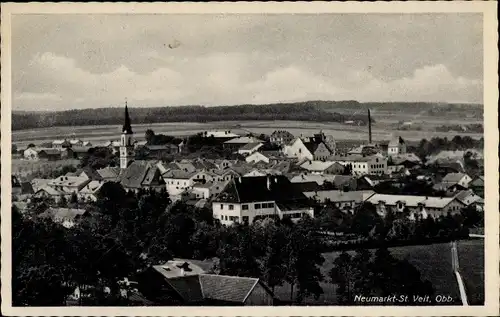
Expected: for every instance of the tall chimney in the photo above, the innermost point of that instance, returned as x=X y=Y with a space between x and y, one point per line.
x=369 y=128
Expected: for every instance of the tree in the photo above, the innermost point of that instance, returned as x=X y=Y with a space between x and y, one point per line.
x=63 y=202
x=342 y=274
x=149 y=136
x=365 y=219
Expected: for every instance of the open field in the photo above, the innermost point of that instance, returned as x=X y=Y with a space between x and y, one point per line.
x=98 y=134
x=433 y=262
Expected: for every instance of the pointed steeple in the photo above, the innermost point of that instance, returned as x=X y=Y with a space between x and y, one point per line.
x=127 y=128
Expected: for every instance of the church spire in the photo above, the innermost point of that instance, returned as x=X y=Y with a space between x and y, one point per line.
x=127 y=128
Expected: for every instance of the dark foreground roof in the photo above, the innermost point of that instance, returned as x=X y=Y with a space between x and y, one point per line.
x=260 y=188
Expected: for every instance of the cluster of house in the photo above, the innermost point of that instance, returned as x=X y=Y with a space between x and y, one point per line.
x=270 y=183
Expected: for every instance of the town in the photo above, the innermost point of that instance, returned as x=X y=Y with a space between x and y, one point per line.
x=213 y=218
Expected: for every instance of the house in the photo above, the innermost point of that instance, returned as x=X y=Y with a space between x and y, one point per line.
x=91 y=191
x=38 y=183
x=281 y=137
x=21 y=190
x=50 y=154
x=236 y=143
x=77 y=152
x=109 y=173
x=224 y=175
x=86 y=143
x=399 y=162
x=323 y=167
x=433 y=206
x=396 y=146
x=88 y=173
x=60 y=144
x=67 y=217
x=208 y=190
x=220 y=135
x=338 y=181
x=68 y=184
x=248 y=198
x=344 y=201
x=477 y=185
x=141 y=174
x=75 y=142
x=177 y=181
x=249 y=148
x=363 y=165
x=269 y=157
x=50 y=193
x=255 y=173
x=461 y=179
x=320 y=151
x=182 y=282
x=157 y=151
x=31 y=153
x=298 y=149
x=468 y=197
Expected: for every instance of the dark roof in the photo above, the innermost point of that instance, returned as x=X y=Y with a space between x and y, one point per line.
x=311 y=146
x=188 y=287
x=109 y=172
x=50 y=152
x=307 y=186
x=226 y=288
x=250 y=189
x=249 y=146
x=137 y=297
x=134 y=176
x=91 y=173
x=282 y=133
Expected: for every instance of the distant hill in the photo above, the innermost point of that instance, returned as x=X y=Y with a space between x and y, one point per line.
x=317 y=111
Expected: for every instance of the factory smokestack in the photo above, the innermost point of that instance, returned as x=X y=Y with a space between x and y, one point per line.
x=369 y=127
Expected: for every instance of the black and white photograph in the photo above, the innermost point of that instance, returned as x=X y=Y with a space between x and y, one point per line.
x=288 y=160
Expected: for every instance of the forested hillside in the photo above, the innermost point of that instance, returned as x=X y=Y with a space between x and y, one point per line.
x=318 y=111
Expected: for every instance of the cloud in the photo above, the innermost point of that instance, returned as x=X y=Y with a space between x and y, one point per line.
x=227 y=78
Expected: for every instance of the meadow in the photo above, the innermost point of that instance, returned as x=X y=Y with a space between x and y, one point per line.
x=381 y=130
x=433 y=262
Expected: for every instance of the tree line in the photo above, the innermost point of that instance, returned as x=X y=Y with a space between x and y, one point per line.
x=108 y=116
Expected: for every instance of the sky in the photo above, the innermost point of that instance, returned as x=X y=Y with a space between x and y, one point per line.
x=62 y=62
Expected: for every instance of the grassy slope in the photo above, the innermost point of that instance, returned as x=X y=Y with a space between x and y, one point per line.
x=433 y=262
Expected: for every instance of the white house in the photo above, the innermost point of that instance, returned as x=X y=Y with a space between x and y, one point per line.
x=434 y=206
x=69 y=184
x=363 y=165
x=249 y=198
x=257 y=157
x=297 y=149
x=208 y=190
x=60 y=144
x=177 y=181
x=396 y=146
x=461 y=179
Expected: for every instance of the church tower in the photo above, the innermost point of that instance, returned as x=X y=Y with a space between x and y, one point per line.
x=126 y=144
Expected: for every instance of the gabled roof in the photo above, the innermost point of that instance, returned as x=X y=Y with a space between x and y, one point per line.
x=49 y=190
x=318 y=166
x=282 y=134
x=307 y=186
x=453 y=177
x=260 y=188
x=92 y=187
x=226 y=288
x=179 y=174
x=412 y=201
x=250 y=146
x=52 y=152
x=243 y=140
x=109 y=172
x=134 y=176
x=90 y=172
x=341 y=196
x=396 y=141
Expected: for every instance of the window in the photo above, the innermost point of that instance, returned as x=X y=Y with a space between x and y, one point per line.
x=245 y=219
x=231 y=207
x=221 y=206
x=244 y=207
x=257 y=206
x=270 y=205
